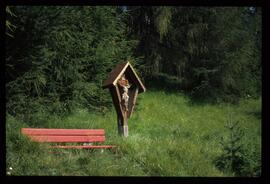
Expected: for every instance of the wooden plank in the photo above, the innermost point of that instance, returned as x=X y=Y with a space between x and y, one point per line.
x=83 y=147
x=70 y=132
x=115 y=74
x=118 y=71
x=67 y=138
x=116 y=100
x=132 y=101
x=135 y=78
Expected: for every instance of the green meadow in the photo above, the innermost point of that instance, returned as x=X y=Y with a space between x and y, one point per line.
x=168 y=136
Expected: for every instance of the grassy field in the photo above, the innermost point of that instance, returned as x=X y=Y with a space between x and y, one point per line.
x=168 y=136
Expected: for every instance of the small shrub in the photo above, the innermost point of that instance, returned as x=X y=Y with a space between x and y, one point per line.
x=237 y=156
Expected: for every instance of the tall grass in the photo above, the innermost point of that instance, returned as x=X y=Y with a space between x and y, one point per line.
x=168 y=136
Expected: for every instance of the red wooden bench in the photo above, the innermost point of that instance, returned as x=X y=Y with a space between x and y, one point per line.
x=67 y=136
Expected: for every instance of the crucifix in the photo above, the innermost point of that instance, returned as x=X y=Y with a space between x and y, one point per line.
x=124 y=85
x=122 y=121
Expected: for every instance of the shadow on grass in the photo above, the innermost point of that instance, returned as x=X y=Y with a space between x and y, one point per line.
x=191 y=101
x=257 y=114
x=170 y=84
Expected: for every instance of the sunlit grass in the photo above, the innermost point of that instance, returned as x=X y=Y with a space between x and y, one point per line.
x=168 y=136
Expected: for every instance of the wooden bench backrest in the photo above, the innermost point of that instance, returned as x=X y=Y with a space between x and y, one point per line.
x=64 y=135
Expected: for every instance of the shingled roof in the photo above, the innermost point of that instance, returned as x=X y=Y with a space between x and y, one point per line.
x=118 y=71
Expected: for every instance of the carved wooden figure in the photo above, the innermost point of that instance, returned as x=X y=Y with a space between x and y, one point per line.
x=124 y=85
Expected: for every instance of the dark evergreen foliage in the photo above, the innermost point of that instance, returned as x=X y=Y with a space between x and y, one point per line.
x=58 y=57
x=213 y=51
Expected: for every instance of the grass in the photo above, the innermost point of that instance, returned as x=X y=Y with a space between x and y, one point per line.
x=168 y=136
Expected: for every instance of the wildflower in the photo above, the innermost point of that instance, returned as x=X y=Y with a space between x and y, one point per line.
x=8 y=173
x=10 y=168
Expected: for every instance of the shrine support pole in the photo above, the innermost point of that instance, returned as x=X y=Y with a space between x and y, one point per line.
x=123 y=125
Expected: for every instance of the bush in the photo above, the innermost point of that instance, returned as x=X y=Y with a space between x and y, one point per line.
x=238 y=156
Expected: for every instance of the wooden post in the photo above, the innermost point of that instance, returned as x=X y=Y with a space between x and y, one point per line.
x=123 y=125
x=120 y=125
x=132 y=101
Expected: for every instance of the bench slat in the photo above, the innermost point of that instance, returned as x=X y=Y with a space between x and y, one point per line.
x=69 y=132
x=82 y=147
x=67 y=138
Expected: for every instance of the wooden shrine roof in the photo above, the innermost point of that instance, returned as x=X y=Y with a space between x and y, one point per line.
x=118 y=71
